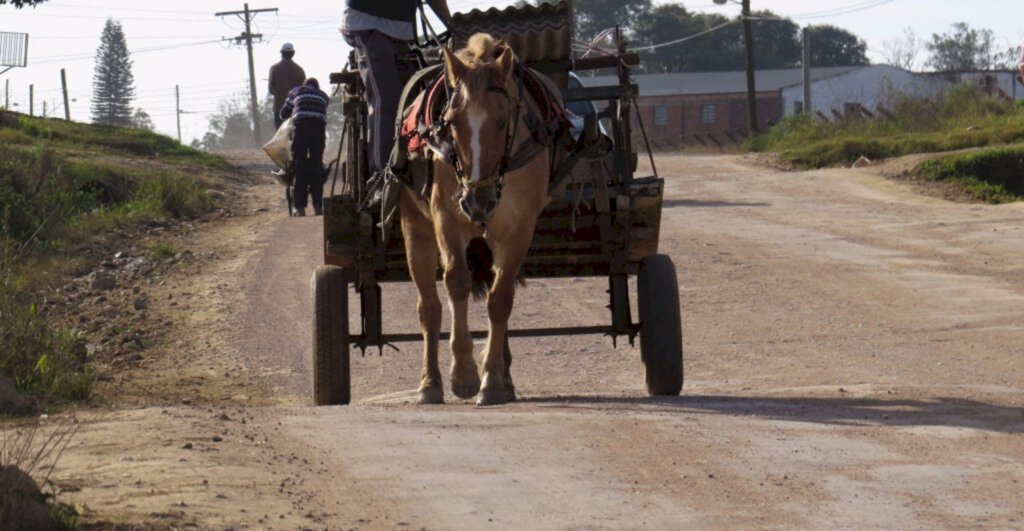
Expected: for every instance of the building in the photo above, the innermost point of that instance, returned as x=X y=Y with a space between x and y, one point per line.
x=676 y=107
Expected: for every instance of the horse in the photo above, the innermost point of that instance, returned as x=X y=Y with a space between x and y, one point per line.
x=477 y=217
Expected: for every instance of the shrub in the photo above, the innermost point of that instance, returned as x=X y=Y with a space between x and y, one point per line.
x=993 y=175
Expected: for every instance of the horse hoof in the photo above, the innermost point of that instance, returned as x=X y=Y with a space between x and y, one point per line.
x=492 y=397
x=466 y=390
x=431 y=395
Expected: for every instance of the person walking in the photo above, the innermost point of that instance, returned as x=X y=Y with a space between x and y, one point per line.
x=380 y=32
x=306 y=105
x=284 y=76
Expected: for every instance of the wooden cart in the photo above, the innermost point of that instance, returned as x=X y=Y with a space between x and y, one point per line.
x=604 y=224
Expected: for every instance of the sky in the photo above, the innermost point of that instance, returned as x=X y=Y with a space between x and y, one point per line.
x=179 y=43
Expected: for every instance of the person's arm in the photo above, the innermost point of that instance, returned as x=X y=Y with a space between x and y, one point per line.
x=289 y=104
x=270 y=82
x=440 y=7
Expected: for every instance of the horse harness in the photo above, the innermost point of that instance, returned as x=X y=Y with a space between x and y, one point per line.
x=423 y=125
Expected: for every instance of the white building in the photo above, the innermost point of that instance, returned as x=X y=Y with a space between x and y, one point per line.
x=880 y=85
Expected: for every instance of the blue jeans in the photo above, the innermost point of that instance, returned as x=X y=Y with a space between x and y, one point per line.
x=377 y=56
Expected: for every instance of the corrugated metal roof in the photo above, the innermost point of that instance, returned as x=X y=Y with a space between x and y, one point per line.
x=694 y=83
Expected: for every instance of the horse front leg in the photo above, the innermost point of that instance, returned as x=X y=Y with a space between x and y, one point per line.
x=458 y=282
x=422 y=257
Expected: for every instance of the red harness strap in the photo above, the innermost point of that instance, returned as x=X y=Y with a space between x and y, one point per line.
x=419 y=119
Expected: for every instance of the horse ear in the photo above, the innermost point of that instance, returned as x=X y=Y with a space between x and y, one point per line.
x=506 y=61
x=454 y=68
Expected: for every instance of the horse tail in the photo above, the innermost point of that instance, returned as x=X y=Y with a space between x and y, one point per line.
x=480 y=260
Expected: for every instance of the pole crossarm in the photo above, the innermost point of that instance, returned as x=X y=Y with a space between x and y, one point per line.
x=251 y=12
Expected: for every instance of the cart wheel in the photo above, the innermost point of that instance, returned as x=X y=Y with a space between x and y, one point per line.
x=330 y=337
x=661 y=333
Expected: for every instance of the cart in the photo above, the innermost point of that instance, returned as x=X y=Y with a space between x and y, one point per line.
x=603 y=221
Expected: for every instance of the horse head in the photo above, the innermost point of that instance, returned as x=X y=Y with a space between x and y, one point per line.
x=483 y=115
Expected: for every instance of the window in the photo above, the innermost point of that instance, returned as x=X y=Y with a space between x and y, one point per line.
x=660 y=115
x=707 y=114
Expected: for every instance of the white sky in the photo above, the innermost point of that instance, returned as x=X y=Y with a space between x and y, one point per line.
x=65 y=33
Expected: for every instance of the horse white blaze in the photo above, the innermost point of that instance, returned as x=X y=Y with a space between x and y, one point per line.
x=477 y=118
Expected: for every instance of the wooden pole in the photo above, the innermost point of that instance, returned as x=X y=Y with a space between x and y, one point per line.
x=748 y=37
x=64 y=89
x=808 y=108
x=177 y=107
x=31 y=100
x=257 y=133
x=7 y=94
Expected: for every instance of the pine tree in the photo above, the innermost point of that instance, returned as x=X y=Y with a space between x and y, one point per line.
x=113 y=86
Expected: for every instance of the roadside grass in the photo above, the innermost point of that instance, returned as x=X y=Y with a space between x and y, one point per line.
x=962 y=118
x=54 y=206
x=18 y=129
x=994 y=175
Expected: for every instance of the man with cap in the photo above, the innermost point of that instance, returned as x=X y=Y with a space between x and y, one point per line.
x=284 y=76
x=306 y=105
x=380 y=33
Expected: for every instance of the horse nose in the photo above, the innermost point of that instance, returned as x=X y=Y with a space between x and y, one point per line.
x=489 y=207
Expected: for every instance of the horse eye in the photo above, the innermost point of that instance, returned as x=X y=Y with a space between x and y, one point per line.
x=502 y=124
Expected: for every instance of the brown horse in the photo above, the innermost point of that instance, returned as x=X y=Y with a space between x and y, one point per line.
x=479 y=219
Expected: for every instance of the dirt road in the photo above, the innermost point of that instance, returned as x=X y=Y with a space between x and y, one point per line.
x=854 y=355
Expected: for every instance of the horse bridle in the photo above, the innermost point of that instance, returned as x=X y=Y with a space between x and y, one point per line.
x=497 y=179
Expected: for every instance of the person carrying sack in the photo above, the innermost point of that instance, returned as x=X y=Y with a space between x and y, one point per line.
x=306 y=105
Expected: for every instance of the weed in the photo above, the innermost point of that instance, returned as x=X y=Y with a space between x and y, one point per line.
x=26 y=451
x=162 y=250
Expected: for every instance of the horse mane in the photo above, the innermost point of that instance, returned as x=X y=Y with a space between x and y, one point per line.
x=479 y=56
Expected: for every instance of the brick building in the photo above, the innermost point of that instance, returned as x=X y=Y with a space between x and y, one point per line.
x=674 y=106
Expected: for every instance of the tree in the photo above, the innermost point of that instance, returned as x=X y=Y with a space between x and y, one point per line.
x=113 y=86
x=832 y=46
x=22 y=3
x=594 y=16
x=142 y=120
x=903 y=51
x=963 y=49
x=666 y=23
x=231 y=126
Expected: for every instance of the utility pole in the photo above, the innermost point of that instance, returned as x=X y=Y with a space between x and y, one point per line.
x=246 y=16
x=7 y=94
x=31 y=100
x=44 y=108
x=808 y=108
x=177 y=107
x=64 y=88
x=748 y=38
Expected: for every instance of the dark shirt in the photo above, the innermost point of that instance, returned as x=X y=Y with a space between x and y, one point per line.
x=284 y=76
x=403 y=10
x=305 y=103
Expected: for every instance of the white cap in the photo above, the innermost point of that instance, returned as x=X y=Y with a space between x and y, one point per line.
x=287 y=47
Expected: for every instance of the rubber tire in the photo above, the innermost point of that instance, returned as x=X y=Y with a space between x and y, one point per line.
x=331 y=377
x=661 y=329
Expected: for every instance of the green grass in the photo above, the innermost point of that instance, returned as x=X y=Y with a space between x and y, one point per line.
x=962 y=118
x=69 y=136
x=162 y=250
x=993 y=175
x=62 y=187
